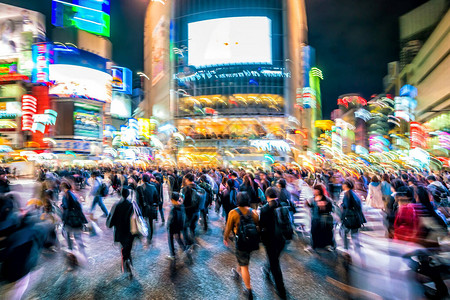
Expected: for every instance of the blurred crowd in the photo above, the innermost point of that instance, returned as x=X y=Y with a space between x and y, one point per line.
x=254 y=206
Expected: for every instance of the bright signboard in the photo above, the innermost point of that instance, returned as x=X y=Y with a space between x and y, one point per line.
x=42 y=57
x=237 y=40
x=87 y=120
x=122 y=79
x=89 y=15
x=80 y=82
x=121 y=105
x=19 y=29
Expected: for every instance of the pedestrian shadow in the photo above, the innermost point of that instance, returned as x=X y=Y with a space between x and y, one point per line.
x=119 y=288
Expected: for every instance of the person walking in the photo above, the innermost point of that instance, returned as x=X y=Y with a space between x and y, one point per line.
x=243 y=213
x=352 y=217
x=273 y=240
x=375 y=194
x=191 y=205
x=120 y=219
x=175 y=225
x=229 y=198
x=73 y=218
x=386 y=189
x=96 y=191
x=322 y=220
x=251 y=188
x=147 y=199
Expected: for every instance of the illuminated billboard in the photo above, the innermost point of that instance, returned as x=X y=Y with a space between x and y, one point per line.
x=159 y=49
x=237 y=40
x=42 y=57
x=19 y=29
x=80 y=82
x=121 y=105
x=122 y=79
x=87 y=120
x=89 y=15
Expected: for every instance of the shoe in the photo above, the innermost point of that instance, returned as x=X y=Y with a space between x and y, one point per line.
x=129 y=269
x=235 y=274
x=104 y=216
x=248 y=294
x=170 y=257
x=282 y=294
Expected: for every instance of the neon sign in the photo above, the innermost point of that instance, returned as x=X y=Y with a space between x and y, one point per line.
x=346 y=100
x=89 y=15
x=41 y=57
x=29 y=107
x=40 y=121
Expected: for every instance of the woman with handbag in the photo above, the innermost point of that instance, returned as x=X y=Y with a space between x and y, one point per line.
x=322 y=220
x=352 y=216
x=73 y=217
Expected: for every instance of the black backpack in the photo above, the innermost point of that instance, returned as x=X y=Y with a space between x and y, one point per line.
x=284 y=221
x=247 y=235
x=104 y=190
x=198 y=196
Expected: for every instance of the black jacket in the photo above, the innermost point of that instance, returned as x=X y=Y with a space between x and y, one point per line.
x=22 y=250
x=119 y=218
x=270 y=236
x=187 y=199
x=4 y=187
x=147 y=195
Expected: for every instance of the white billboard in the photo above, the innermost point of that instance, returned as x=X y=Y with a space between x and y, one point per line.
x=18 y=28
x=238 y=40
x=80 y=82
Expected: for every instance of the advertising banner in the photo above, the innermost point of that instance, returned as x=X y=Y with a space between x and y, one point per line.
x=19 y=28
x=159 y=39
x=87 y=120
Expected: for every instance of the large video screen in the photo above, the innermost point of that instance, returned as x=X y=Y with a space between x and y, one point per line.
x=87 y=120
x=239 y=40
x=80 y=82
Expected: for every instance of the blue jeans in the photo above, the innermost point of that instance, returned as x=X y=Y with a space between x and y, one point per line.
x=98 y=200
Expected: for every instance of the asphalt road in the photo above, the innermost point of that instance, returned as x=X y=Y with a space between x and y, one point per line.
x=306 y=276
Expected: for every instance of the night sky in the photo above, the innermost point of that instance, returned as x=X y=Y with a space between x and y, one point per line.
x=354 y=40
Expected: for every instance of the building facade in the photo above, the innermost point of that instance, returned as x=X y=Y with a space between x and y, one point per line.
x=228 y=74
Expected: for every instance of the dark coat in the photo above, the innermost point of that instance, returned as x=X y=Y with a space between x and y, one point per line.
x=147 y=196
x=270 y=236
x=119 y=218
x=70 y=202
x=252 y=193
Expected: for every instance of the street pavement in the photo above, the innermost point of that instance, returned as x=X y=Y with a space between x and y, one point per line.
x=306 y=276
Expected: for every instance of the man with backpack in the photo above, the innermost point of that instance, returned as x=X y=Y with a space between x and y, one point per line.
x=244 y=223
x=192 y=195
x=147 y=199
x=274 y=233
x=99 y=189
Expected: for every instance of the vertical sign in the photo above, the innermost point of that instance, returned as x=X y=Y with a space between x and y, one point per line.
x=41 y=57
x=29 y=108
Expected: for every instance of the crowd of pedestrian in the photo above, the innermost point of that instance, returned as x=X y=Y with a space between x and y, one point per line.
x=256 y=207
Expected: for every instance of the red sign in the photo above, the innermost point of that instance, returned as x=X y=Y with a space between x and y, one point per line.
x=29 y=108
x=345 y=101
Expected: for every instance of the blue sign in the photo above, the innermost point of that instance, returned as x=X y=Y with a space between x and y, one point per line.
x=89 y=15
x=42 y=58
x=408 y=91
x=122 y=79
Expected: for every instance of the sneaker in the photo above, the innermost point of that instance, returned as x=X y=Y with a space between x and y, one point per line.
x=170 y=257
x=104 y=216
x=236 y=274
